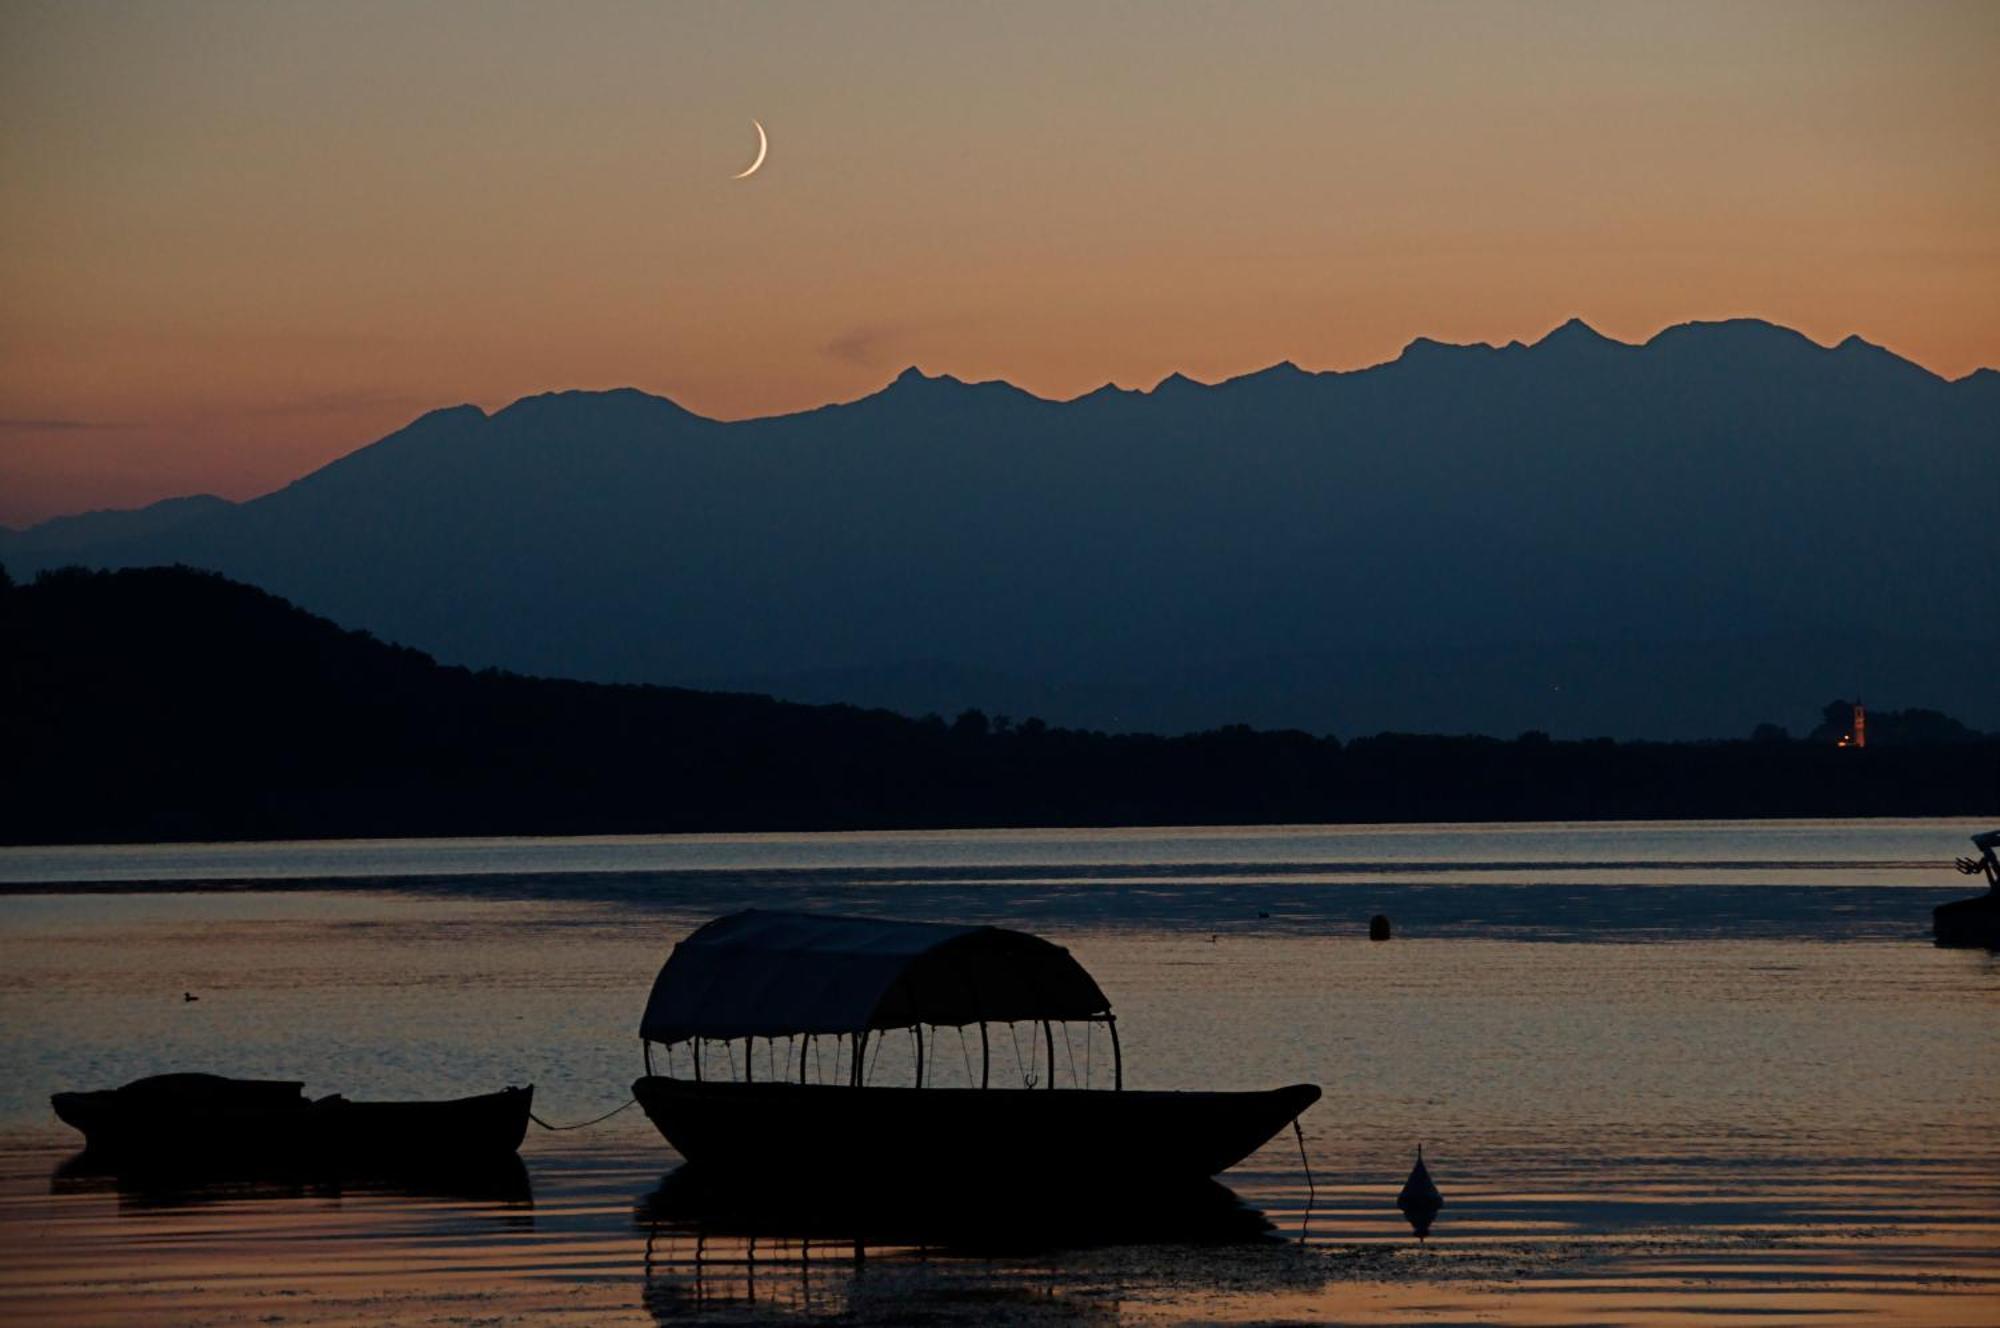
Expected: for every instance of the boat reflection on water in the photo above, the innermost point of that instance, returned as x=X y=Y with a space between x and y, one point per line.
x=697 y=1201
x=500 y=1180
x=717 y=1245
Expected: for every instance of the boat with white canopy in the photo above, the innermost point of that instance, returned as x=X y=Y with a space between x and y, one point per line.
x=765 y=1033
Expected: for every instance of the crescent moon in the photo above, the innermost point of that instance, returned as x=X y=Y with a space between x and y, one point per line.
x=763 y=146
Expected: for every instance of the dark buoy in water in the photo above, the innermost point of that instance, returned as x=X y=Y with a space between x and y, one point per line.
x=1420 y=1199
x=1378 y=927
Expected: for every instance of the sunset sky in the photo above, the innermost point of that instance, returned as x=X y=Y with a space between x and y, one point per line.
x=237 y=240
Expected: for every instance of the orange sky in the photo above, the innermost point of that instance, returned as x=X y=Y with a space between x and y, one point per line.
x=242 y=239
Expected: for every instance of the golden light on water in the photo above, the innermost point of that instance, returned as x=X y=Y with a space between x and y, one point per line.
x=1749 y=1088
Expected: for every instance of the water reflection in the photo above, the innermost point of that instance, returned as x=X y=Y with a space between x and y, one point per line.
x=1039 y=1255
x=144 y=1188
x=1037 y=1217
x=608 y=1243
x=1787 y=1107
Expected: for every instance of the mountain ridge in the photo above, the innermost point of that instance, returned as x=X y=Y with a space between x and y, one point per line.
x=1676 y=538
x=1285 y=370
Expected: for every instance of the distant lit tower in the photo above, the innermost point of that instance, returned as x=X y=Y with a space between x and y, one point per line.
x=1857 y=729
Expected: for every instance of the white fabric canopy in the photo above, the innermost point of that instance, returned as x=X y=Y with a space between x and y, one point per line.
x=768 y=974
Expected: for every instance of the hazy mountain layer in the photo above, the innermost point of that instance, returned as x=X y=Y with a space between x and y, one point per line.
x=1725 y=525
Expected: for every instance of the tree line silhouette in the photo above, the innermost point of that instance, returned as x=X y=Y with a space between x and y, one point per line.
x=168 y=703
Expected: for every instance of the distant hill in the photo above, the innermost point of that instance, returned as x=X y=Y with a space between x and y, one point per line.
x=67 y=534
x=166 y=703
x=1721 y=527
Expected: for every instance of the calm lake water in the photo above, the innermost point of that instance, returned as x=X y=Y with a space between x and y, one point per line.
x=1662 y=1072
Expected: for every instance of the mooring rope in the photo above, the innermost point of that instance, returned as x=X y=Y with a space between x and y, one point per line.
x=1026 y=1067
x=1312 y=1194
x=580 y=1124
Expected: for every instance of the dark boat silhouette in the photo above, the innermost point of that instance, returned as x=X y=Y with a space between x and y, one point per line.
x=191 y=1118
x=759 y=976
x=485 y=1125
x=1976 y=921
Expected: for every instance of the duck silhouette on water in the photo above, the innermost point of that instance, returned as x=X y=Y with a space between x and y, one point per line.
x=1420 y=1199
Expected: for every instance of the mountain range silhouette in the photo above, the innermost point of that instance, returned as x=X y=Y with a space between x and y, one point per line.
x=1684 y=538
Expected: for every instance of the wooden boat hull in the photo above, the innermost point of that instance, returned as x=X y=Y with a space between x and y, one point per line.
x=793 y=1132
x=490 y=1124
x=190 y=1119
x=189 y=1116
x=1968 y=923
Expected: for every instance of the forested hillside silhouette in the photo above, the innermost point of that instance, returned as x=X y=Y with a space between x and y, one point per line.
x=167 y=703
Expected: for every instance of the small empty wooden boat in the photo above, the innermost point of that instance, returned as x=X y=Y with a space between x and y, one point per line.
x=489 y=1124
x=190 y=1117
x=761 y=977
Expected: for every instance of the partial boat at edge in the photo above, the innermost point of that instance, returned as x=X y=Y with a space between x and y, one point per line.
x=1974 y=922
